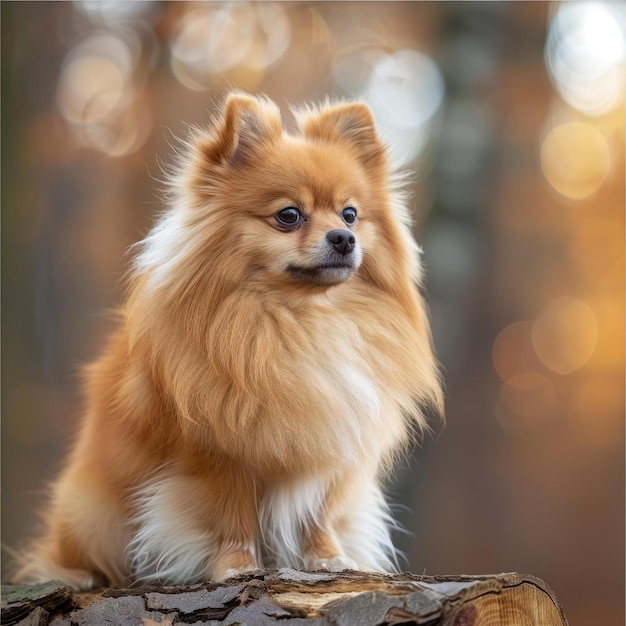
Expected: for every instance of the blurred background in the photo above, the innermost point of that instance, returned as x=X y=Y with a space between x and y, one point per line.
x=511 y=117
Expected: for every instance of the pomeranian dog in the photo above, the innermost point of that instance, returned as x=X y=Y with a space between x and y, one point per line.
x=272 y=357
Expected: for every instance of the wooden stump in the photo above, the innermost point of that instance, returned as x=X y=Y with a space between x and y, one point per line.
x=291 y=597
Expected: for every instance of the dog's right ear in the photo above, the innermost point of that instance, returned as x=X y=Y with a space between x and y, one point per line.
x=246 y=122
x=351 y=122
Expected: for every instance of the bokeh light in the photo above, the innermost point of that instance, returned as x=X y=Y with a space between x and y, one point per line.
x=113 y=11
x=127 y=134
x=94 y=79
x=608 y=310
x=405 y=90
x=513 y=353
x=565 y=334
x=353 y=66
x=96 y=94
x=529 y=395
x=575 y=159
x=585 y=55
x=215 y=39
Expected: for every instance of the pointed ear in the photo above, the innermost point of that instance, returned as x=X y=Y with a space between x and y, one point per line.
x=245 y=124
x=350 y=121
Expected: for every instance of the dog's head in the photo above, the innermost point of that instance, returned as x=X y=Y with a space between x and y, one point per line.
x=300 y=208
x=309 y=209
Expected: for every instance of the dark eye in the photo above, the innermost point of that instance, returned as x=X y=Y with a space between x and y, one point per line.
x=349 y=215
x=289 y=216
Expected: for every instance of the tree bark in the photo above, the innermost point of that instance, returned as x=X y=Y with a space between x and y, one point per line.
x=295 y=598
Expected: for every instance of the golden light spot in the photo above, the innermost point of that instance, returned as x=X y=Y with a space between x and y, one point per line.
x=575 y=159
x=529 y=395
x=597 y=413
x=95 y=78
x=513 y=352
x=90 y=88
x=565 y=334
x=609 y=313
x=97 y=96
x=218 y=40
x=122 y=135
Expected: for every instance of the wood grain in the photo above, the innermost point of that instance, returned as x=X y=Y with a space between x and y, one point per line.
x=297 y=598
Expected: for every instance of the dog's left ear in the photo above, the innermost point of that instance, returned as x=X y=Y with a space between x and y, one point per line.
x=246 y=123
x=351 y=121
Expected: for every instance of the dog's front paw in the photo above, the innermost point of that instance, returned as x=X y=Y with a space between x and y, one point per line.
x=334 y=564
x=232 y=563
x=234 y=571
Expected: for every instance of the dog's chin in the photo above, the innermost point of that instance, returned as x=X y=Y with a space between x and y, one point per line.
x=321 y=275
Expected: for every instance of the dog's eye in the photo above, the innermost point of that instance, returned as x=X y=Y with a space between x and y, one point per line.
x=349 y=215
x=289 y=216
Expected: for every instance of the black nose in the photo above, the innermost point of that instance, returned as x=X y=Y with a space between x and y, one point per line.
x=343 y=240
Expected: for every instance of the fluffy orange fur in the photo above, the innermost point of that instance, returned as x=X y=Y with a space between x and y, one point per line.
x=251 y=401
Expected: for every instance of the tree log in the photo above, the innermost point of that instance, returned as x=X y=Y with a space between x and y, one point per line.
x=295 y=598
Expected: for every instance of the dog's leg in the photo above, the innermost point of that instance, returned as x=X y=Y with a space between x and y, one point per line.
x=85 y=539
x=195 y=523
x=234 y=559
x=321 y=550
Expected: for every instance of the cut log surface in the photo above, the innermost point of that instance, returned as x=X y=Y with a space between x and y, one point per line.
x=296 y=598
